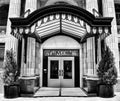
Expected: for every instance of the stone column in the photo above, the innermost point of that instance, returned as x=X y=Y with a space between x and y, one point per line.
x=30 y=65
x=84 y=58
x=37 y=58
x=31 y=4
x=22 y=57
x=90 y=5
x=14 y=11
x=91 y=56
x=99 y=50
x=112 y=40
x=30 y=57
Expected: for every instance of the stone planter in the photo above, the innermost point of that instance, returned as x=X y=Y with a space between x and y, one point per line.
x=92 y=86
x=105 y=90
x=11 y=91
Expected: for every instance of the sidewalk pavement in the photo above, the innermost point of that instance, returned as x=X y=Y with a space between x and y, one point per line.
x=115 y=98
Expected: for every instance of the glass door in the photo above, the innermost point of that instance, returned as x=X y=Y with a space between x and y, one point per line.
x=53 y=72
x=67 y=66
x=61 y=72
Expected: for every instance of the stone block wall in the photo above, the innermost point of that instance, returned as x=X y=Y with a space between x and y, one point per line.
x=29 y=85
x=92 y=86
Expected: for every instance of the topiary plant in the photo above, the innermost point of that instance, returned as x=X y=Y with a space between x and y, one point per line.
x=10 y=69
x=107 y=71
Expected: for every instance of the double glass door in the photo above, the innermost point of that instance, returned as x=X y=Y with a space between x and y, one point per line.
x=60 y=71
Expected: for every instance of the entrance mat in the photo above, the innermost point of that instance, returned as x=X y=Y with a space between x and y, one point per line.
x=56 y=92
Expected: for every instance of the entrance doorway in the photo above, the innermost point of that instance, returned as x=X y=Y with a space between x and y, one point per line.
x=61 y=68
x=61 y=72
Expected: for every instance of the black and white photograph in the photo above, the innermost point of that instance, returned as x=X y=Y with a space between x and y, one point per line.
x=59 y=50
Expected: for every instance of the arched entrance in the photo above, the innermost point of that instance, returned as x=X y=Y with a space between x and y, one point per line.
x=61 y=61
x=48 y=23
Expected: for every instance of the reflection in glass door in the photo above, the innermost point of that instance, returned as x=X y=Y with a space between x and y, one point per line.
x=67 y=67
x=53 y=72
x=54 y=66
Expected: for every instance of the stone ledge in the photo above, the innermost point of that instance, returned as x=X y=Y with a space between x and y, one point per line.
x=29 y=85
x=28 y=77
x=92 y=77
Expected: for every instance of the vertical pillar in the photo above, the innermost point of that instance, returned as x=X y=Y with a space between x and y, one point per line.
x=14 y=11
x=112 y=40
x=30 y=65
x=90 y=5
x=22 y=58
x=30 y=57
x=31 y=4
x=37 y=58
x=84 y=58
x=90 y=56
x=99 y=50
x=30 y=82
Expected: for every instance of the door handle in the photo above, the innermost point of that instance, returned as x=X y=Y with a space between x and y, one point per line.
x=60 y=72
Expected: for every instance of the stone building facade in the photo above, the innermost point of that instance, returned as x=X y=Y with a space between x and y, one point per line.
x=59 y=43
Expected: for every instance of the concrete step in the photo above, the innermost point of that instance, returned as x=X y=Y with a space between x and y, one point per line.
x=47 y=91
x=72 y=92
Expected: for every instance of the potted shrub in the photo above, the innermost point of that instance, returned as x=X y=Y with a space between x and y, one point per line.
x=107 y=74
x=10 y=76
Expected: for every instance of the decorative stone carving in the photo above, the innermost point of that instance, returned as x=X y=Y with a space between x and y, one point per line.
x=63 y=16
x=15 y=30
x=100 y=30
x=88 y=28
x=27 y=30
x=106 y=30
x=21 y=30
x=33 y=28
x=57 y=16
x=94 y=30
x=51 y=17
x=45 y=19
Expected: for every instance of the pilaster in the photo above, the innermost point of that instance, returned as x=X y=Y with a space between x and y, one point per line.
x=22 y=58
x=30 y=65
x=31 y=4
x=14 y=11
x=85 y=58
x=112 y=40
x=99 y=50
x=37 y=58
x=90 y=5
x=91 y=56
x=30 y=70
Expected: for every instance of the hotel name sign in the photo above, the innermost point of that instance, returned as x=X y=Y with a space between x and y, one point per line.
x=61 y=52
